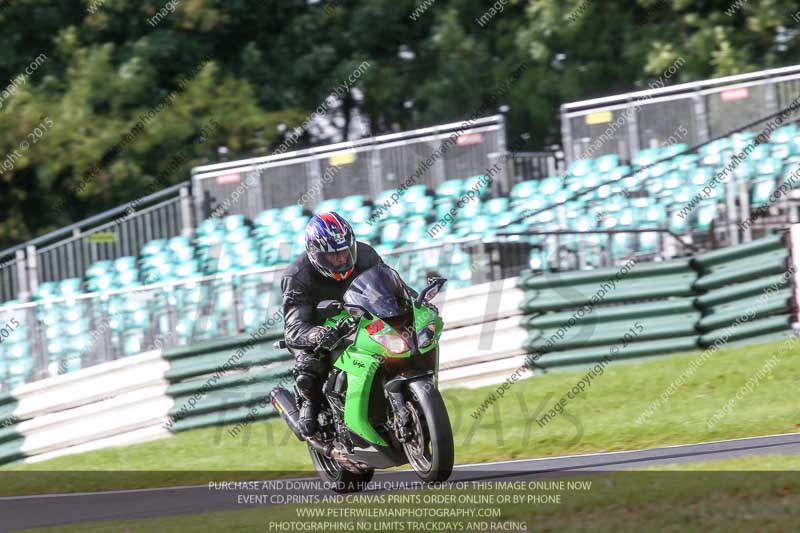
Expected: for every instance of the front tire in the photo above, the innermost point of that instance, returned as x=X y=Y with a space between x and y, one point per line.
x=337 y=477
x=431 y=453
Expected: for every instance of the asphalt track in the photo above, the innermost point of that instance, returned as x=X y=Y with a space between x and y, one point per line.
x=20 y=512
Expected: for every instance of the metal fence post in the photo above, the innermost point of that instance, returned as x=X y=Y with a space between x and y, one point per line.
x=744 y=202
x=172 y=315
x=256 y=195
x=481 y=275
x=701 y=117
x=771 y=97
x=186 y=212
x=375 y=175
x=238 y=306
x=23 y=294
x=197 y=197
x=33 y=268
x=793 y=244
x=633 y=130
x=313 y=178
x=73 y=269
x=39 y=344
x=730 y=202
x=566 y=136
x=438 y=172
x=500 y=153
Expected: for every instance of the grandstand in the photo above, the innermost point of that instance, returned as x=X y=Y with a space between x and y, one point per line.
x=219 y=277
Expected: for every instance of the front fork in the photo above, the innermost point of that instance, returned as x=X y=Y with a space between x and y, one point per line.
x=402 y=425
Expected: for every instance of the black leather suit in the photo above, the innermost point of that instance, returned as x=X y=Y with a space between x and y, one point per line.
x=303 y=288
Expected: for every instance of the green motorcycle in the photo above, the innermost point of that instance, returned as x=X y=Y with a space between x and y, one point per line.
x=381 y=407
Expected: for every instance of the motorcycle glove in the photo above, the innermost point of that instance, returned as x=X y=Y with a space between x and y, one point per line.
x=346 y=326
x=323 y=337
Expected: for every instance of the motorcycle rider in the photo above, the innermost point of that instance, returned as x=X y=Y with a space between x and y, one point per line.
x=332 y=260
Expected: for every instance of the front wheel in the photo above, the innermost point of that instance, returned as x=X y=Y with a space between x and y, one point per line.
x=430 y=452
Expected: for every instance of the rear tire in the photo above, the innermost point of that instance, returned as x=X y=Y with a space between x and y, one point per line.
x=336 y=477
x=438 y=448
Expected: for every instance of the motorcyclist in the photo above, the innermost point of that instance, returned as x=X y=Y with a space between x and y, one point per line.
x=332 y=260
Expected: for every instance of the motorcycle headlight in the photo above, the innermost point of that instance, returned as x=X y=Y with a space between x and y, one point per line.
x=393 y=343
x=425 y=335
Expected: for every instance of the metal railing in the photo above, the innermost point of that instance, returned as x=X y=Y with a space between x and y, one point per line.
x=122 y=237
x=366 y=166
x=9 y=276
x=689 y=113
x=121 y=231
x=595 y=249
x=535 y=165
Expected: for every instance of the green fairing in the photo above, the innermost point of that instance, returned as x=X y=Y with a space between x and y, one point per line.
x=361 y=360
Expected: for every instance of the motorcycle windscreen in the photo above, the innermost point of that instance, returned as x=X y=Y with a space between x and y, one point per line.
x=381 y=292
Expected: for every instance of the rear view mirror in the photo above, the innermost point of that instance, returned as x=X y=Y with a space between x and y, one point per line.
x=431 y=290
x=329 y=308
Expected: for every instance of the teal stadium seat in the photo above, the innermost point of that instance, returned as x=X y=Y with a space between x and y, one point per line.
x=761 y=190
x=606 y=163
x=580 y=167
x=449 y=189
x=352 y=202
x=784 y=134
x=331 y=204
x=704 y=215
x=523 y=191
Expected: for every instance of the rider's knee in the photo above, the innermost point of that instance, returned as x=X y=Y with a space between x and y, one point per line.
x=306 y=381
x=308 y=364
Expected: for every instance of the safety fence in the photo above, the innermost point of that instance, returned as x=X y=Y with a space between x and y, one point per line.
x=745 y=292
x=119 y=402
x=224 y=382
x=740 y=293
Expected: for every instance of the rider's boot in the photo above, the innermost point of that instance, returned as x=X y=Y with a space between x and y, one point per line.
x=308 y=372
x=307 y=387
x=308 y=417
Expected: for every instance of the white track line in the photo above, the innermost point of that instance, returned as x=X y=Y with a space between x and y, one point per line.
x=195 y=487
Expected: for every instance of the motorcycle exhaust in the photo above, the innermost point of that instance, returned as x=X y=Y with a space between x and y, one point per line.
x=283 y=402
x=324 y=449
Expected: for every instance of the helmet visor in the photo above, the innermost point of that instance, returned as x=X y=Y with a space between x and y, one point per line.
x=340 y=261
